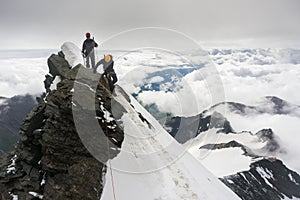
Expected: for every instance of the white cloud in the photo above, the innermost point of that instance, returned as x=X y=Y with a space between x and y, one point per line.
x=30 y=23
x=240 y=80
x=249 y=83
x=245 y=81
x=22 y=76
x=285 y=127
x=166 y=101
x=157 y=79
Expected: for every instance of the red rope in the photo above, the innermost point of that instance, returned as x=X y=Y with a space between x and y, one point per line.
x=111 y=173
x=112 y=181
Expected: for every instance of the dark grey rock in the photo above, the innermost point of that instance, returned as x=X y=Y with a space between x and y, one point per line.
x=269 y=136
x=58 y=66
x=266 y=179
x=232 y=144
x=186 y=128
x=50 y=150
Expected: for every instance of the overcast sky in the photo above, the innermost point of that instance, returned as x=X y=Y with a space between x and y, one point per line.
x=47 y=24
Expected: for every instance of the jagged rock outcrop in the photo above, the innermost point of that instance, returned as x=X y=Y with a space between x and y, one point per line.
x=186 y=128
x=269 y=136
x=58 y=65
x=50 y=161
x=266 y=136
x=232 y=144
x=268 y=105
x=266 y=179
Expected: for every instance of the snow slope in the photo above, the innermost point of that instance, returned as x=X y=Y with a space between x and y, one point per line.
x=211 y=159
x=152 y=165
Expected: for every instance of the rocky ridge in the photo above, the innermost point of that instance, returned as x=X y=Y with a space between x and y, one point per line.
x=50 y=161
x=186 y=128
x=266 y=179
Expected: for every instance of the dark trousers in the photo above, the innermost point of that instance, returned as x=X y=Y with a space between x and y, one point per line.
x=112 y=79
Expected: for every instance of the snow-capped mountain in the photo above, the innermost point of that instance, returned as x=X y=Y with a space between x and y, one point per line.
x=266 y=179
x=246 y=157
x=268 y=105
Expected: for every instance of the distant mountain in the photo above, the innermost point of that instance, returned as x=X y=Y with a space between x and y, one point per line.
x=245 y=161
x=266 y=179
x=186 y=128
x=12 y=112
x=269 y=105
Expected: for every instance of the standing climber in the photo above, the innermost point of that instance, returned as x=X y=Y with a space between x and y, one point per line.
x=88 y=50
x=108 y=68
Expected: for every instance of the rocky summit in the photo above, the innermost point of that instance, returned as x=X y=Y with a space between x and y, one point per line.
x=50 y=160
x=266 y=179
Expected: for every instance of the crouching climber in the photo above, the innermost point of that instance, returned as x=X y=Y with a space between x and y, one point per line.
x=109 y=72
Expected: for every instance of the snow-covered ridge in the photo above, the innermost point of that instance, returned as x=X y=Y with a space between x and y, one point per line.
x=268 y=128
x=235 y=150
x=152 y=165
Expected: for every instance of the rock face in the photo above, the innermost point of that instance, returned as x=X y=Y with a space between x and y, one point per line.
x=268 y=135
x=12 y=112
x=269 y=105
x=266 y=179
x=50 y=161
x=186 y=128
